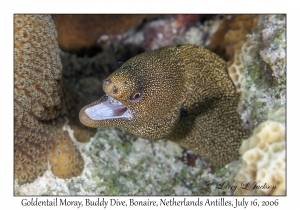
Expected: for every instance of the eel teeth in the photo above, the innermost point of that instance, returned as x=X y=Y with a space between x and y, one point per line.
x=109 y=108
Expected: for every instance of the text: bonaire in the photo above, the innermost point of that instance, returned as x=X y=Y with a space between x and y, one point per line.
x=166 y=202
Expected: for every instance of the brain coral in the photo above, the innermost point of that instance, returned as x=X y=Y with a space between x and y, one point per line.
x=263 y=156
x=79 y=33
x=38 y=104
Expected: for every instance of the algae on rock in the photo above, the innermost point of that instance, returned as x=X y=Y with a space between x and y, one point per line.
x=265 y=69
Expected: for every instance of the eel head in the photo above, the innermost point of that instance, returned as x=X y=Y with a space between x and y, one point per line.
x=141 y=97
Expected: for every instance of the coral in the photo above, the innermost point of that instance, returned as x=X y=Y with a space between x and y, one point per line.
x=263 y=156
x=179 y=29
x=264 y=89
x=128 y=165
x=160 y=34
x=65 y=159
x=189 y=19
x=79 y=33
x=38 y=105
x=83 y=34
x=272 y=48
x=263 y=58
x=228 y=42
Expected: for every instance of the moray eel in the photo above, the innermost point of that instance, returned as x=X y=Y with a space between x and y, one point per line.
x=180 y=93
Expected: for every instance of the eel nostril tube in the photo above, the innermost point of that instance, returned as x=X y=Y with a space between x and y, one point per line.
x=106 y=81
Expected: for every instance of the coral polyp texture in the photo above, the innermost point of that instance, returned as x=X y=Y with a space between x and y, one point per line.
x=228 y=42
x=80 y=33
x=65 y=159
x=263 y=156
x=38 y=104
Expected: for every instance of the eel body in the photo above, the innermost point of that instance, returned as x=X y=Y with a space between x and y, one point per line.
x=180 y=93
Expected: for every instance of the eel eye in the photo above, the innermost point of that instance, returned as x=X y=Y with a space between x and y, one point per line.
x=136 y=95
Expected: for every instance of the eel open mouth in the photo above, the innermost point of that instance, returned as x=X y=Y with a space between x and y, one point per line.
x=108 y=108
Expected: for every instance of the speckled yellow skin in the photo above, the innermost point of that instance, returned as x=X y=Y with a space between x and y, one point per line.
x=188 y=98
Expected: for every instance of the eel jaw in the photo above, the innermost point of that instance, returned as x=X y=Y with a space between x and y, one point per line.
x=105 y=109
